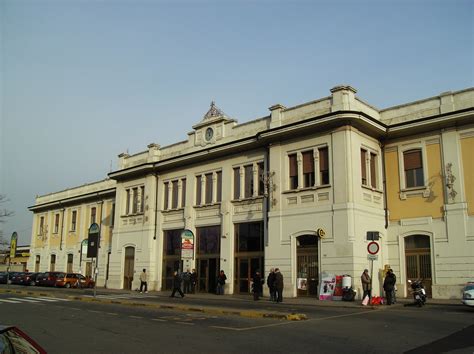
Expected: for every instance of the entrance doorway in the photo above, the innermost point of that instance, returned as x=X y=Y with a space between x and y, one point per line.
x=307 y=265
x=128 y=268
x=245 y=270
x=207 y=271
x=418 y=260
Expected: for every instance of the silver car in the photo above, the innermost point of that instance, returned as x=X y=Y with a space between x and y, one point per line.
x=468 y=294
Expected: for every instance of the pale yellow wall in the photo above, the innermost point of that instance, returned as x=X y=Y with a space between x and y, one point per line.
x=55 y=236
x=415 y=206
x=72 y=237
x=467 y=150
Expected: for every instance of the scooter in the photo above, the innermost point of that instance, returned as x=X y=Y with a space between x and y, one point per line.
x=419 y=292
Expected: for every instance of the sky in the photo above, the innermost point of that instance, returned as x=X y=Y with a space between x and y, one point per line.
x=83 y=81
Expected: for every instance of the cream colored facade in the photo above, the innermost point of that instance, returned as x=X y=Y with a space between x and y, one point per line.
x=308 y=182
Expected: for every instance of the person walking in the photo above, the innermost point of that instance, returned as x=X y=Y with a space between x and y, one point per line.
x=389 y=286
x=176 y=284
x=194 y=278
x=221 y=278
x=143 y=281
x=271 y=284
x=366 y=284
x=278 y=284
x=257 y=286
x=187 y=281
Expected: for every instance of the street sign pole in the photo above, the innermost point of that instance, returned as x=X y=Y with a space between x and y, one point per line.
x=372 y=248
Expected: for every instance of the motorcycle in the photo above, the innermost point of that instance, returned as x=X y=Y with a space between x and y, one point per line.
x=418 y=291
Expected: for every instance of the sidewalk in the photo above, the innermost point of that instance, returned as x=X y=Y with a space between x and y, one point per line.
x=241 y=305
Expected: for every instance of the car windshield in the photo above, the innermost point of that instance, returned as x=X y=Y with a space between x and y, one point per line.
x=469 y=287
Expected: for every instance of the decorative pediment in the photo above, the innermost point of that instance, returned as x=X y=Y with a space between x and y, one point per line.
x=213 y=113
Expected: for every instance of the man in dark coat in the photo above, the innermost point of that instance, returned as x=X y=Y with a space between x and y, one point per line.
x=278 y=285
x=257 y=286
x=176 y=284
x=221 y=278
x=193 y=281
x=271 y=284
x=389 y=286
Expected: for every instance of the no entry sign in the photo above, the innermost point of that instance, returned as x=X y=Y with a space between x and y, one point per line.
x=373 y=247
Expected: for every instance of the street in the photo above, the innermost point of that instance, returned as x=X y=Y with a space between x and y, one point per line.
x=63 y=325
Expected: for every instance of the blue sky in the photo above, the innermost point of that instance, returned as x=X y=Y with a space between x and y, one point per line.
x=83 y=81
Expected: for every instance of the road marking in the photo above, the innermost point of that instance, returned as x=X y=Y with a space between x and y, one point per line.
x=10 y=301
x=186 y=323
x=22 y=299
x=159 y=320
x=49 y=299
x=112 y=313
x=292 y=322
x=94 y=311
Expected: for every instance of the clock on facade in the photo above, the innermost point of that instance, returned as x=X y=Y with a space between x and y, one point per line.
x=209 y=134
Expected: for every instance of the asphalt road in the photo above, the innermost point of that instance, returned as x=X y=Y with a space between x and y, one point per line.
x=68 y=326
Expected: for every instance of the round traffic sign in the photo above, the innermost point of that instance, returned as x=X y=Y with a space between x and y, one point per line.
x=373 y=247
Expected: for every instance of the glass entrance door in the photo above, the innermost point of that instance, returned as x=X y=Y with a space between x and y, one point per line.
x=208 y=269
x=307 y=267
x=246 y=268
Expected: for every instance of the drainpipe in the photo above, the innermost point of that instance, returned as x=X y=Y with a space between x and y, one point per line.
x=62 y=227
x=266 y=205
x=156 y=207
x=384 y=184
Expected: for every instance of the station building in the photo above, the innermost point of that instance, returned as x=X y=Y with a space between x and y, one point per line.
x=303 y=189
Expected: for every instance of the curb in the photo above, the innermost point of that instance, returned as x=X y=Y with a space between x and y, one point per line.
x=190 y=308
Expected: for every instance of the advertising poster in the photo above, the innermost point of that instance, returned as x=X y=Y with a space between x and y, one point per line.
x=328 y=283
x=338 y=288
x=187 y=244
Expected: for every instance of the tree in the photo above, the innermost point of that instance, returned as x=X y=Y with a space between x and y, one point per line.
x=4 y=214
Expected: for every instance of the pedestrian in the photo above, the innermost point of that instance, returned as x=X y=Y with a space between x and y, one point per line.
x=389 y=286
x=176 y=284
x=193 y=281
x=221 y=278
x=366 y=284
x=257 y=286
x=187 y=281
x=271 y=284
x=278 y=284
x=143 y=281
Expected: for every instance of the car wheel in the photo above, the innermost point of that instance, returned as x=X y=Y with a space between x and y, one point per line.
x=67 y=285
x=32 y=283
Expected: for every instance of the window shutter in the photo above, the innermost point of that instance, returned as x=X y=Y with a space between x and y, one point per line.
x=323 y=159
x=293 y=165
x=373 y=176
x=412 y=159
x=308 y=162
x=363 y=167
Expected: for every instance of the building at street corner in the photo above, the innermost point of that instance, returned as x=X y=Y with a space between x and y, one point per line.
x=304 y=189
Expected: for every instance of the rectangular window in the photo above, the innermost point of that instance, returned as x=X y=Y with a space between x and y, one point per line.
x=308 y=169
x=237 y=183
x=56 y=223
x=198 y=190
x=41 y=229
x=363 y=166
x=93 y=213
x=208 y=240
x=413 y=165
x=373 y=170
x=249 y=237
x=172 y=240
x=248 y=178
x=219 y=186
x=52 y=266
x=165 y=195
x=293 y=164
x=142 y=199
x=261 y=176
x=70 y=260
x=183 y=192
x=174 y=199
x=209 y=185
x=73 y=220
x=127 y=206
x=324 y=165
x=135 y=201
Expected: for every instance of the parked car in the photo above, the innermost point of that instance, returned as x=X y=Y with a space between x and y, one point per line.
x=14 y=340
x=468 y=294
x=29 y=279
x=16 y=278
x=49 y=278
x=38 y=277
x=3 y=277
x=75 y=280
